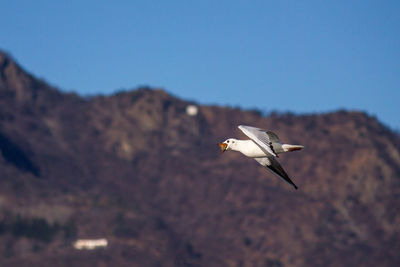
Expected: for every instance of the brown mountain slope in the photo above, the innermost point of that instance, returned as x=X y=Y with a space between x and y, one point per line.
x=136 y=169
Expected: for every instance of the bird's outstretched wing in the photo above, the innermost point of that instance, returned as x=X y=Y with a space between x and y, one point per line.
x=273 y=165
x=263 y=138
x=272 y=136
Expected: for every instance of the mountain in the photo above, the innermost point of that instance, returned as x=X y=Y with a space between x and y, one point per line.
x=136 y=169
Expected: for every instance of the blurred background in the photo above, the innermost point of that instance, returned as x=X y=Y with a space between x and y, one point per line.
x=110 y=114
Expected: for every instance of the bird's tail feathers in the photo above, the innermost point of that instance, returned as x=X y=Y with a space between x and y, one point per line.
x=287 y=147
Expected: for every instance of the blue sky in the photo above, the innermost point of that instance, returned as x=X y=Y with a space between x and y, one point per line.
x=300 y=56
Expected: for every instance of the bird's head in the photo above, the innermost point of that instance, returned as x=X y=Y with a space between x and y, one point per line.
x=228 y=144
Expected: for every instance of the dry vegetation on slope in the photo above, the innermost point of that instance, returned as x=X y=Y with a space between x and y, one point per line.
x=136 y=169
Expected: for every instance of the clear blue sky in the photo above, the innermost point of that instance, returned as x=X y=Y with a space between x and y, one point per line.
x=300 y=56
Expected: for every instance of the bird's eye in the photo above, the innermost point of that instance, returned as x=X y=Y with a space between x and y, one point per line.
x=227 y=141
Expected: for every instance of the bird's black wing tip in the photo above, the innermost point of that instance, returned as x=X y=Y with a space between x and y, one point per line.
x=295 y=187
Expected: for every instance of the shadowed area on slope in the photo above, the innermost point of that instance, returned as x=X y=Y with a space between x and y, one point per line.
x=16 y=156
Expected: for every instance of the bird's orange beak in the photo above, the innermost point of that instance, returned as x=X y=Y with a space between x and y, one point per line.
x=223 y=146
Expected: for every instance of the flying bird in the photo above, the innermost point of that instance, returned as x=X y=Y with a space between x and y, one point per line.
x=264 y=147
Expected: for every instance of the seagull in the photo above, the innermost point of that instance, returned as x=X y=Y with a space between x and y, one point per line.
x=264 y=147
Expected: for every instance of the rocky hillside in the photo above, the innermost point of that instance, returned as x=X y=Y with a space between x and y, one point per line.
x=136 y=169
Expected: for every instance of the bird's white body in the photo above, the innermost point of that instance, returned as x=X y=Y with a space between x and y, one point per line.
x=252 y=150
x=247 y=148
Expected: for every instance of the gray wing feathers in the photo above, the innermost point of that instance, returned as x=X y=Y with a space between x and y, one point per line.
x=273 y=137
x=273 y=165
x=260 y=137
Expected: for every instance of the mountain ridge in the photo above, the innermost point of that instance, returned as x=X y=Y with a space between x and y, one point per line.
x=135 y=168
